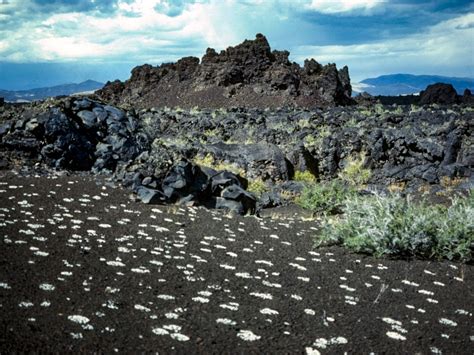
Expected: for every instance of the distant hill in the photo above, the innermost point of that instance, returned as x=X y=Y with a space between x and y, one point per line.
x=43 y=93
x=406 y=84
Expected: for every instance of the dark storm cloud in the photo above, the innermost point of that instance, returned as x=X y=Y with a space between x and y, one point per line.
x=390 y=20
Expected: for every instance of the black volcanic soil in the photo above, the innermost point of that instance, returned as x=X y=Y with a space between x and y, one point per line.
x=84 y=268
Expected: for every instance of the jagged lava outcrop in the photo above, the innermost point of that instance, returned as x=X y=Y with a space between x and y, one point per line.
x=247 y=75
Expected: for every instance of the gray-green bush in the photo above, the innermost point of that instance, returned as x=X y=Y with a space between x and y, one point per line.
x=397 y=226
x=325 y=197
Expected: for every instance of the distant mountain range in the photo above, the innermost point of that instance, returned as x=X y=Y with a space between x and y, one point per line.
x=385 y=85
x=406 y=84
x=43 y=93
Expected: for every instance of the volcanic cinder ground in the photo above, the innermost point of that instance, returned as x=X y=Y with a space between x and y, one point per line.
x=84 y=268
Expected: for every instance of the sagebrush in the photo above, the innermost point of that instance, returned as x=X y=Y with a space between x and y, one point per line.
x=326 y=197
x=397 y=226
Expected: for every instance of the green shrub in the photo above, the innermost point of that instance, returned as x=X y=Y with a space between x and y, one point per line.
x=354 y=172
x=208 y=161
x=397 y=226
x=257 y=187
x=325 y=197
x=304 y=176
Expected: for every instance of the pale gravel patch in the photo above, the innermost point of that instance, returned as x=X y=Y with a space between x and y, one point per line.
x=347 y=288
x=227 y=267
x=323 y=343
x=310 y=351
x=265 y=296
x=25 y=304
x=173 y=327
x=446 y=321
x=269 y=311
x=410 y=283
x=265 y=262
x=396 y=336
x=205 y=293
x=160 y=331
x=244 y=275
x=76 y=335
x=41 y=253
x=47 y=287
x=225 y=321
x=179 y=337
x=78 y=319
x=140 y=270
x=298 y=266
x=141 y=308
x=156 y=262
x=115 y=263
x=270 y=284
x=248 y=335
x=165 y=297
x=171 y=315
x=233 y=306
x=200 y=299
x=425 y=292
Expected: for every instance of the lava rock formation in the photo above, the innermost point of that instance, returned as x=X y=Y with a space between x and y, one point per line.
x=247 y=75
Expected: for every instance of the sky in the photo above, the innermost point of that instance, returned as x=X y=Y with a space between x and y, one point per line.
x=49 y=42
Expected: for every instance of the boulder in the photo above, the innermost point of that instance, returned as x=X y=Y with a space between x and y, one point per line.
x=439 y=94
x=88 y=118
x=245 y=201
x=302 y=160
x=222 y=180
x=265 y=161
x=184 y=179
x=5 y=128
x=150 y=196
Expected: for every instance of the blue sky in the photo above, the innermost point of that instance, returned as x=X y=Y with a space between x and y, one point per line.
x=48 y=42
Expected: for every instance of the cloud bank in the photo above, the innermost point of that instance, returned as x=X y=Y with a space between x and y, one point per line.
x=371 y=36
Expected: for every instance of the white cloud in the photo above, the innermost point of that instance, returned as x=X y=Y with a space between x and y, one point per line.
x=138 y=31
x=343 y=6
x=443 y=49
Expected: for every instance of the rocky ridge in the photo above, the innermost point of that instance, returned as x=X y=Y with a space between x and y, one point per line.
x=247 y=75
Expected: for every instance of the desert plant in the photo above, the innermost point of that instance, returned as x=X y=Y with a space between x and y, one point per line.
x=304 y=176
x=315 y=141
x=397 y=226
x=257 y=187
x=208 y=161
x=354 y=172
x=325 y=197
x=397 y=187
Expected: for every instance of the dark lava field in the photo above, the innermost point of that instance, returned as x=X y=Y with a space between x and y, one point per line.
x=86 y=269
x=161 y=214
